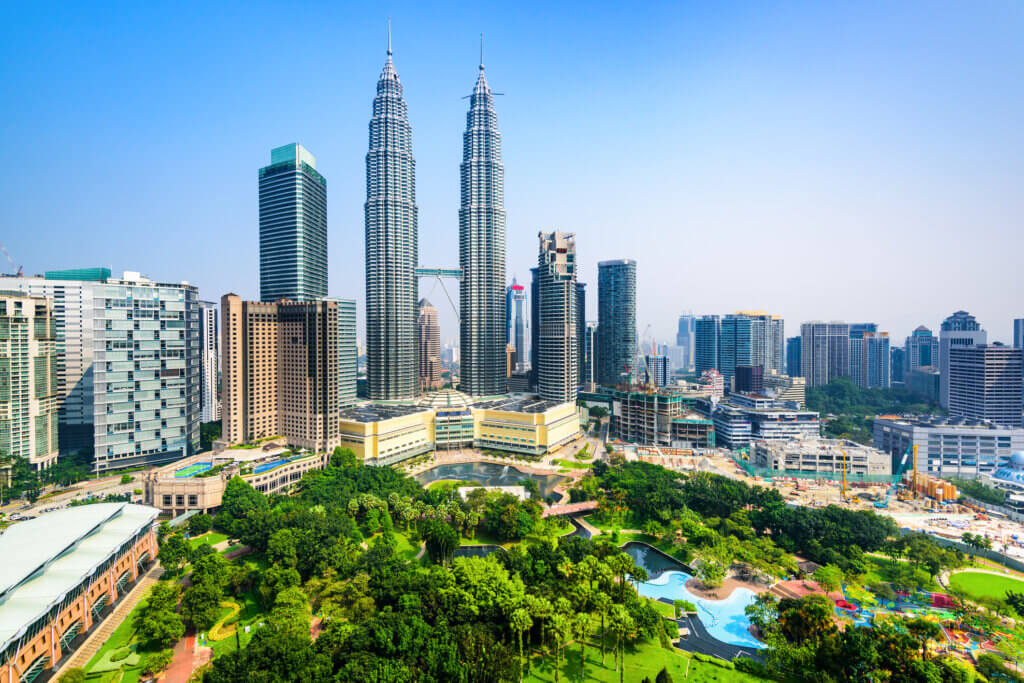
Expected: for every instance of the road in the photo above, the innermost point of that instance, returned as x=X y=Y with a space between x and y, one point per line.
x=107 y=485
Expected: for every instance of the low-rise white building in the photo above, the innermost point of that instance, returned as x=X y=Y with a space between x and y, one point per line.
x=824 y=456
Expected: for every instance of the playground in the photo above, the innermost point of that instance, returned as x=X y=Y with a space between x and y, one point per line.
x=965 y=632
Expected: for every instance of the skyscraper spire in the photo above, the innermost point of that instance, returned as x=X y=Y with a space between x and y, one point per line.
x=391 y=245
x=481 y=52
x=482 y=248
x=389 y=36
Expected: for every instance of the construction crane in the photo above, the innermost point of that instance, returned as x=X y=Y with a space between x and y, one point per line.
x=846 y=494
x=18 y=269
x=900 y=469
x=642 y=359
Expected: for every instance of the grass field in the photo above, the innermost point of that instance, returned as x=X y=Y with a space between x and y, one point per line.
x=981 y=585
x=883 y=570
x=572 y=465
x=209 y=538
x=123 y=636
x=646 y=660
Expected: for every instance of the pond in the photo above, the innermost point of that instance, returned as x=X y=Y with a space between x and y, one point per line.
x=724 y=619
x=489 y=474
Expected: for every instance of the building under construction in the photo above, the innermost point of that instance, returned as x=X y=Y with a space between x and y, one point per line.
x=660 y=418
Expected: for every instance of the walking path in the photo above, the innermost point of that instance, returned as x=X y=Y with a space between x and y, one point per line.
x=183 y=662
x=102 y=633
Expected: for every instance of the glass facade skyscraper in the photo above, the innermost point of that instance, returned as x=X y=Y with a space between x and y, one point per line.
x=392 y=246
x=482 y=370
x=557 y=375
x=707 y=332
x=616 y=321
x=293 y=226
x=128 y=365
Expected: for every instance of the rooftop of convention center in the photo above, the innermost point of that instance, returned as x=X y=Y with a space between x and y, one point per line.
x=377 y=413
x=45 y=557
x=519 y=404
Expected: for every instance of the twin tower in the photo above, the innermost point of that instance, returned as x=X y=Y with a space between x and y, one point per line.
x=392 y=247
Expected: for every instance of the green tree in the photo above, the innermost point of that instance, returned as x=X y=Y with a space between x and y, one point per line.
x=441 y=541
x=173 y=552
x=200 y=605
x=829 y=577
x=155 y=662
x=580 y=630
x=282 y=548
x=199 y=524
x=520 y=622
x=126 y=478
x=924 y=631
x=663 y=676
x=560 y=630
x=276 y=579
x=291 y=612
x=156 y=622
x=603 y=605
x=623 y=626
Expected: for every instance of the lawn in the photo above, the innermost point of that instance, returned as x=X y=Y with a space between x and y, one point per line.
x=982 y=585
x=252 y=613
x=569 y=464
x=209 y=538
x=404 y=550
x=122 y=637
x=883 y=570
x=646 y=660
x=482 y=538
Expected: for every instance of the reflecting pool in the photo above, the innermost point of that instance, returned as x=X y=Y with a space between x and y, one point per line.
x=489 y=474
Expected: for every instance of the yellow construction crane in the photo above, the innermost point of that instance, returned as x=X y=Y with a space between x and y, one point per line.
x=846 y=495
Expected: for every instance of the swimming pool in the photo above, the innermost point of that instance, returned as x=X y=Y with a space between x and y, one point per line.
x=260 y=469
x=724 y=619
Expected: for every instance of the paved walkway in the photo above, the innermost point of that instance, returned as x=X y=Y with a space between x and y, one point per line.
x=183 y=663
x=101 y=634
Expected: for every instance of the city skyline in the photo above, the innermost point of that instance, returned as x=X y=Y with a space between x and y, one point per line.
x=438 y=55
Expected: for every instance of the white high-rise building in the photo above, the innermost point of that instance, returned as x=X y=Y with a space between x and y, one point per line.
x=129 y=373
x=209 y=361
x=958 y=330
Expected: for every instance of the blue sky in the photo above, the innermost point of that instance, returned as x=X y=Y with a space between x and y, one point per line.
x=857 y=161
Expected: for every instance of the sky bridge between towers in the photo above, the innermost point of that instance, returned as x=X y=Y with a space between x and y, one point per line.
x=440 y=274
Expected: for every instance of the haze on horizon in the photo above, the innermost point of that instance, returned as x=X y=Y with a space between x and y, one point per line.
x=815 y=160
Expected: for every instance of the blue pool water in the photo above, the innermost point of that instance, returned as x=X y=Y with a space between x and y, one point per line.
x=260 y=469
x=724 y=619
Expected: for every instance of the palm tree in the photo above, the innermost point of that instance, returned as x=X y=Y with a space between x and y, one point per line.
x=621 y=564
x=520 y=622
x=622 y=626
x=580 y=627
x=923 y=630
x=603 y=604
x=561 y=630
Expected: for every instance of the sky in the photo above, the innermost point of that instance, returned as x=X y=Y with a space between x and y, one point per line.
x=818 y=160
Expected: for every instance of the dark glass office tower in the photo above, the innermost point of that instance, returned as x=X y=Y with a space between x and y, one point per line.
x=293 y=226
x=482 y=369
x=616 y=321
x=392 y=246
